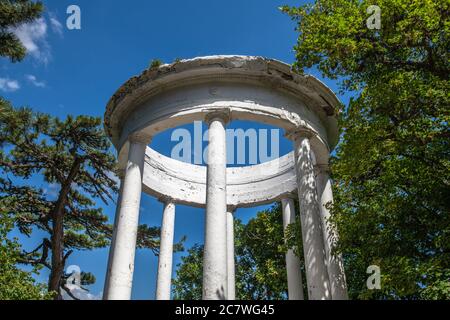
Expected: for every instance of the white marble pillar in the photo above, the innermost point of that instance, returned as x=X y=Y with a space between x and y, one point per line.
x=120 y=175
x=230 y=256
x=335 y=264
x=122 y=264
x=313 y=246
x=293 y=265
x=164 y=277
x=215 y=250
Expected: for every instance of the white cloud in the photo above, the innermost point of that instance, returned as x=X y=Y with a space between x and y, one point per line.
x=34 y=38
x=8 y=85
x=32 y=79
x=56 y=26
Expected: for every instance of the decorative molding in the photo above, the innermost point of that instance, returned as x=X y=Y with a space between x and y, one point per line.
x=247 y=70
x=120 y=173
x=321 y=168
x=223 y=115
x=247 y=186
x=140 y=137
x=165 y=199
x=301 y=132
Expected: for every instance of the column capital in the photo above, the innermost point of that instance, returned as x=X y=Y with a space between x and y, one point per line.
x=301 y=132
x=223 y=115
x=139 y=137
x=165 y=199
x=321 y=168
x=289 y=196
x=120 y=173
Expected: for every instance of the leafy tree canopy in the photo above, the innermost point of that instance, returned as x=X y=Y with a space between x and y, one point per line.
x=260 y=260
x=74 y=157
x=15 y=284
x=391 y=168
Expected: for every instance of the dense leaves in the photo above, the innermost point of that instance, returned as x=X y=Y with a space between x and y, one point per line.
x=15 y=284
x=391 y=169
x=260 y=257
x=188 y=283
x=14 y=13
x=71 y=157
x=260 y=260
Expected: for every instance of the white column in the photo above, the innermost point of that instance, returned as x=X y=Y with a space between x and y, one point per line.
x=313 y=247
x=293 y=266
x=121 y=175
x=335 y=264
x=215 y=251
x=122 y=264
x=230 y=256
x=166 y=253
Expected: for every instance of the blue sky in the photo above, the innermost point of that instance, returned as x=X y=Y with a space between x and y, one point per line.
x=76 y=71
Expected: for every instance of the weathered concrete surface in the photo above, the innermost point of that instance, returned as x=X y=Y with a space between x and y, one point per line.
x=121 y=175
x=246 y=186
x=253 y=88
x=248 y=88
x=316 y=271
x=230 y=256
x=335 y=265
x=293 y=265
x=164 y=277
x=122 y=265
x=215 y=284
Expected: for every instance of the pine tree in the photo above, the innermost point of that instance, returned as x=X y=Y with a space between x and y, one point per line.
x=13 y=13
x=74 y=156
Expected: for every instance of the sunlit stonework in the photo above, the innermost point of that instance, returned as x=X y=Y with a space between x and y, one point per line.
x=217 y=90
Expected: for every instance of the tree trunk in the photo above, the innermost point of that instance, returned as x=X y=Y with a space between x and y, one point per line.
x=57 y=237
x=57 y=263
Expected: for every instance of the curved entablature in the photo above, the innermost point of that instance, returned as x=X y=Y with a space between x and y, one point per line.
x=185 y=183
x=251 y=88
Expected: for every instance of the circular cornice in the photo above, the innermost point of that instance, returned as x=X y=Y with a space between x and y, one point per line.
x=237 y=69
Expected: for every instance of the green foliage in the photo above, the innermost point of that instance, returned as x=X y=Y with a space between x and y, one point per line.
x=13 y=13
x=260 y=260
x=15 y=284
x=155 y=64
x=188 y=283
x=391 y=169
x=74 y=157
x=260 y=257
